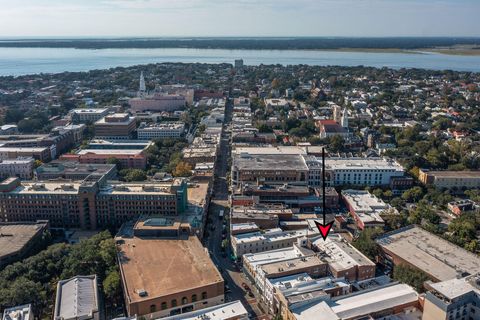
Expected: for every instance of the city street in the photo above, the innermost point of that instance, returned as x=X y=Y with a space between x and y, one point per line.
x=217 y=230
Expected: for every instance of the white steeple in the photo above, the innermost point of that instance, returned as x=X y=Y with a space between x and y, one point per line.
x=142 y=89
x=344 y=120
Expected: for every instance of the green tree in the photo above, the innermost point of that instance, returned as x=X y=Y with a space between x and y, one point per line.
x=111 y=285
x=366 y=243
x=410 y=276
x=115 y=161
x=412 y=195
x=131 y=175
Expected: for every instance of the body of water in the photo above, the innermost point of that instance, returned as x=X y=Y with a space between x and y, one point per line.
x=21 y=61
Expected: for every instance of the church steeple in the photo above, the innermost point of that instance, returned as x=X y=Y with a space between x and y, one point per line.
x=142 y=88
x=344 y=120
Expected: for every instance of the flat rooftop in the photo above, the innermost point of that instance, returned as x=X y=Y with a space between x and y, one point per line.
x=72 y=167
x=13 y=237
x=437 y=257
x=270 y=162
x=90 y=111
x=474 y=174
x=369 y=302
x=164 y=266
x=261 y=258
x=110 y=151
x=292 y=264
x=270 y=150
x=23 y=149
x=229 y=310
x=357 y=163
x=366 y=206
x=340 y=254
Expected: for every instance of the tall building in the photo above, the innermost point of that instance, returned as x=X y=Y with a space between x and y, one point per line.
x=115 y=126
x=238 y=63
x=89 y=204
x=88 y=115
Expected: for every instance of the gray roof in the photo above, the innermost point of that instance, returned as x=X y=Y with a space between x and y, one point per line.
x=77 y=297
x=270 y=162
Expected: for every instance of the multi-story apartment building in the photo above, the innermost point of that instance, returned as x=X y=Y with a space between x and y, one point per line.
x=158 y=102
x=250 y=165
x=363 y=171
x=450 y=179
x=453 y=299
x=88 y=115
x=269 y=169
x=160 y=130
x=115 y=126
x=89 y=204
x=21 y=167
x=43 y=154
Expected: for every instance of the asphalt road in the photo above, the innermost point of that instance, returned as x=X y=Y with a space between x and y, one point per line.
x=217 y=229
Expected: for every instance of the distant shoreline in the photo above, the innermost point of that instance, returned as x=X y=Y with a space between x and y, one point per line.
x=411 y=45
x=444 y=51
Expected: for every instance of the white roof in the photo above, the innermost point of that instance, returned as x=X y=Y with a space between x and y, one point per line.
x=316 y=310
x=76 y=297
x=365 y=303
x=261 y=258
x=229 y=310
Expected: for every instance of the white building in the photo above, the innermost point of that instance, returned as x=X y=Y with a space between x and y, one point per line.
x=363 y=171
x=272 y=239
x=88 y=115
x=160 y=131
x=21 y=167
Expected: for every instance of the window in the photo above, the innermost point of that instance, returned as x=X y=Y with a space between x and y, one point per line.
x=164 y=306
x=184 y=300
x=204 y=295
x=153 y=308
x=174 y=303
x=194 y=298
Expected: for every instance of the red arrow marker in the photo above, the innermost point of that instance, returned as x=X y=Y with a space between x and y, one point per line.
x=324 y=228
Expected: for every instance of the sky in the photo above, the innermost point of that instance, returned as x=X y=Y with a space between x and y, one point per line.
x=172 y=18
